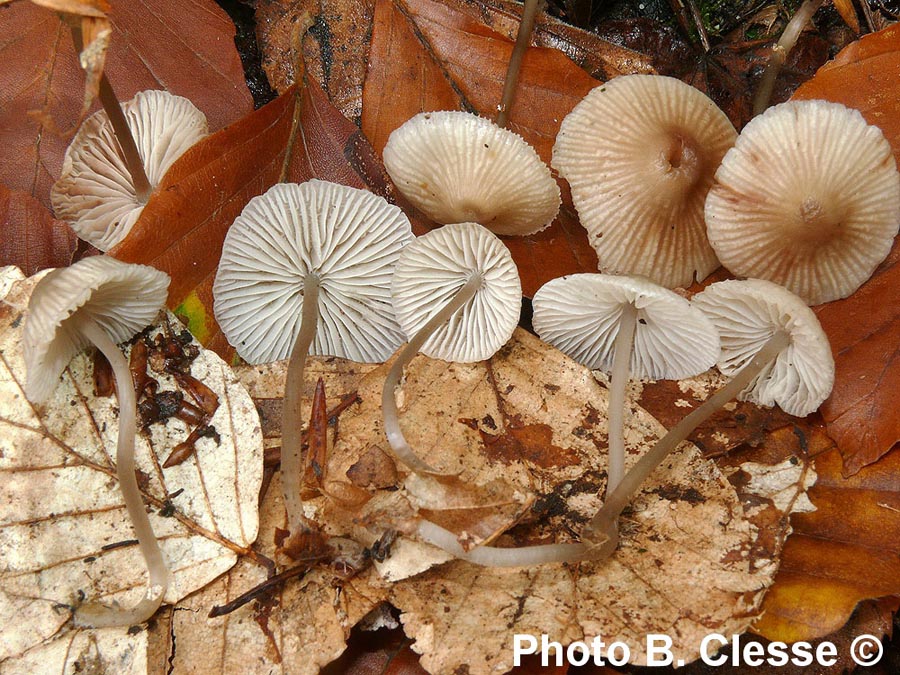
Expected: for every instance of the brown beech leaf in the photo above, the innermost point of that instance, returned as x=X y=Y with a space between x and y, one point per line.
x=186 y=48
x=64 y=535
x=862 y=410
x=697 y=555
x=846 y=551
x=32 y=238
x=865 y=75
x=337 y=49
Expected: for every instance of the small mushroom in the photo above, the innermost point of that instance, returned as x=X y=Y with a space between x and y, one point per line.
x=457 y=167
x=309 y=266
x=624 y=326
x=639 y=153
x=100 y=301
x=776 y=350
x=456 y=292
x=809 y=198
x=96 y=192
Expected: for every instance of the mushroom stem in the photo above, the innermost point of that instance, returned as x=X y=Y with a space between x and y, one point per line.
x=389 y=402
x=125 y=139
x=523 y=40
x=493 y=556
x=291 y=414
x=121 y=130
x=618 y=379
x=95 y=615
x=780 y=52
x=602 y=528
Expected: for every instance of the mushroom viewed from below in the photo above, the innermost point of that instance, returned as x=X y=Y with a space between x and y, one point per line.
x=776 y=352
x=96 y=194
x=624 y=326
x=808 y=198
x=457 y=167
x=457 y=295
x=639 y=153
x=308 y=268
x=100 y=301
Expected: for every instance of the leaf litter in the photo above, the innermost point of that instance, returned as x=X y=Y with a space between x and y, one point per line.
x=530 y=419
x=62 y=532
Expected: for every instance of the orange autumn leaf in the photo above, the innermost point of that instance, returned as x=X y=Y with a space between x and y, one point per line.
x=32 y=238
x=862 y=411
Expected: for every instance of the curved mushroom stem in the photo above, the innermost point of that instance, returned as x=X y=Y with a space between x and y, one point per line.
x=389 y=402
x=93 y=614
x=292 y=414
x=602 y=528
x=780 y=53
x=523 y=39
x=618 y=379
x=493 y=556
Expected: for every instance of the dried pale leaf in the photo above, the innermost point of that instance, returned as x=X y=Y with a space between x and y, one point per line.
x=93 y=8
x=63 y=529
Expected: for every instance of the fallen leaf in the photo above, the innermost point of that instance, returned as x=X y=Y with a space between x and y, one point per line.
x=186 y=48
x=690 y=562
x=862 y=329
x=296 y=137
x=62 y=529
x=32 y=238
x=846 y=551
x=865 y=75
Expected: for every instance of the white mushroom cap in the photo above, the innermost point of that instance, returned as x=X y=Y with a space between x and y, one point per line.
x=457 y=167
x=95 y=193
x=747 y=313
x=809 y=197
x=350 y=238
x=580 y=314
x=121 y=298
x=430 y=272
x=639 y=153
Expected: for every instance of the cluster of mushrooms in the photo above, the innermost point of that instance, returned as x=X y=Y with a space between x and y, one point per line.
x=804 y=205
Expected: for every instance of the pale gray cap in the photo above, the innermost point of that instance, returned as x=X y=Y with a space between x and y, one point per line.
x=749 y=312
x=95 y=193
x=639 y=153
x=350 y=238
x=457 y=167
x=430 y=272
x=580 y=314
x=120 y=297
x=809 y=198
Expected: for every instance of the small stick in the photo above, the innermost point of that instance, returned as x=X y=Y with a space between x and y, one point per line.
x=256 y=591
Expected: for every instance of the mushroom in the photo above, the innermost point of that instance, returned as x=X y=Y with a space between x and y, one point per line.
x=456 y=292
x=100 y=301
x=639 y=153
x=302 y=257
x=96 y=193
x=776 y=351
x=457 y=167
x=624 y=326
x=809 y=198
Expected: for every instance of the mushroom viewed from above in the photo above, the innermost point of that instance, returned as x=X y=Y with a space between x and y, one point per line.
x=777 y=353
x=96 y=194
x=100 y=301
x=625 y=326
x=457 y=295
x=809 y=198
x=457 y=167
x=308 y=268
x=639 y=153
